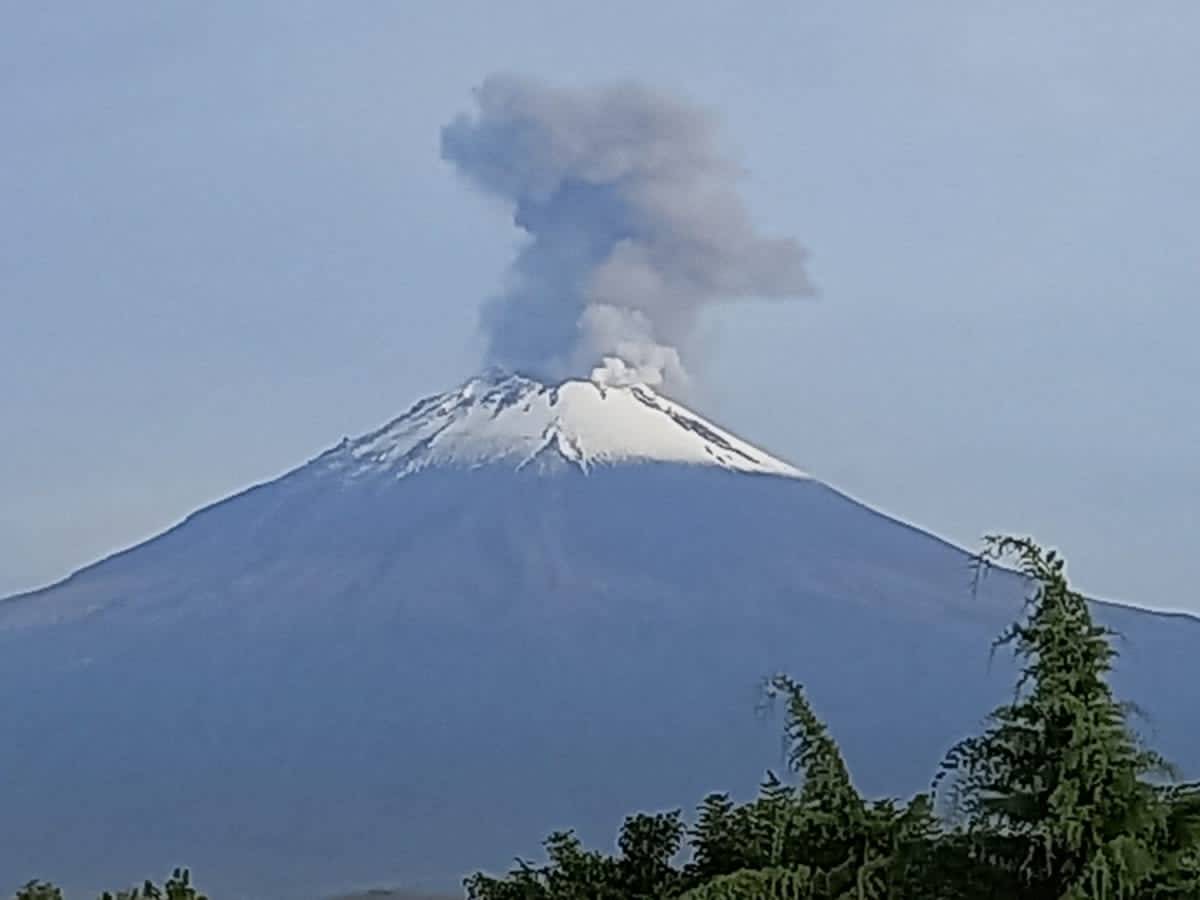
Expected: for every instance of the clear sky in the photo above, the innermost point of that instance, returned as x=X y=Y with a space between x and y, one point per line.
x=227 y=240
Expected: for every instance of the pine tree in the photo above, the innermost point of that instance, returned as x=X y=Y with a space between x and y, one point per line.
x=570 y=873
x=819 y=838
x=772 y=883
x=39 y=890
x=648 y=843
x=719 y=839
x=831 y=817
x=1058 y=794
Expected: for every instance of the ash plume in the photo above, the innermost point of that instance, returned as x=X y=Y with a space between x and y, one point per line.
x=635 y=224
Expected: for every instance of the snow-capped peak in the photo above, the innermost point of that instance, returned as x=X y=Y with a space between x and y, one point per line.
x=512 y=419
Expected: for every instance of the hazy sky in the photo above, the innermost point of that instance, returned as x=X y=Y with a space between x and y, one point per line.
x=227 y=239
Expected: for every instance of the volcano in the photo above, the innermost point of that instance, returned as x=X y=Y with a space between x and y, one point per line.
x=518 y=607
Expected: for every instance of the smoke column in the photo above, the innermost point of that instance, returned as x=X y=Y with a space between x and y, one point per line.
x=635 y=224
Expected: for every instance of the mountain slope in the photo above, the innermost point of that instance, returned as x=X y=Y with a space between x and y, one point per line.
x=413 y=657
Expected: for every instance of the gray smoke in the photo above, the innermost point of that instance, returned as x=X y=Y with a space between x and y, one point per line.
x=635 y=225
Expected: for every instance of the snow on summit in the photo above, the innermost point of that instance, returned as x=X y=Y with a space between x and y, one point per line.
x=512 y=419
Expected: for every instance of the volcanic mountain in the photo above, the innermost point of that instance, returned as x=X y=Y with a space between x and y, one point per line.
x=518 y=607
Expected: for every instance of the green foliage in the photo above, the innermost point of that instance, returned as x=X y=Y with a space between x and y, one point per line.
x=1057 y=793
x=641 y=871
x=757 y=884
x=39 y=890
x=1057 y=800
x=177 y=887
x=816 y=839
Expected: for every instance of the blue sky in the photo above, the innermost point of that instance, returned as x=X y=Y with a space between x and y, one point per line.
x=227 y=239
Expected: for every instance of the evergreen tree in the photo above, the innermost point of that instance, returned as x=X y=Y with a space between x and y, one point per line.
x=642 y=871
x=820 y=838
x=648 y=843
x=719 y=839
x=39 y=890
x=177 y=887
x=772 y=883
x=1058 y=794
